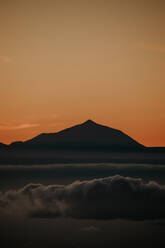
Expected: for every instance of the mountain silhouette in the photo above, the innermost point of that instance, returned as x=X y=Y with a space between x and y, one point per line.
x=86 y=136
x=2 y=146
x=83 y=143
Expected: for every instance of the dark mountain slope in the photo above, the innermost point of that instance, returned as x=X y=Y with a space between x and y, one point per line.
x=88 y=142
x=86 y=136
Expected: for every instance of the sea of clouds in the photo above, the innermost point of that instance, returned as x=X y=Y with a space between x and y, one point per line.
x=114 y=197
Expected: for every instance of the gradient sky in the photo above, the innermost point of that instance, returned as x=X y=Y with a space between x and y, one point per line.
x=63 y=62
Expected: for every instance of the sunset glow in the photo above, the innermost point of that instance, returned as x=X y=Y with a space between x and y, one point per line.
x=63 y=62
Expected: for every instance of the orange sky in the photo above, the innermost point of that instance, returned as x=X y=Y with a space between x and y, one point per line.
x=63 y=62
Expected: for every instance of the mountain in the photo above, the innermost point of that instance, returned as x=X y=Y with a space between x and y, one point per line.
x=88 y=142
x=86 y=136
x=2 y=146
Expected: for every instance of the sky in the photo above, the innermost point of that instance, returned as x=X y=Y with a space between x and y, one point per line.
x=63 y=62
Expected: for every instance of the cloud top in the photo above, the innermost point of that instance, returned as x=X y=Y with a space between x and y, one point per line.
x=104 y=198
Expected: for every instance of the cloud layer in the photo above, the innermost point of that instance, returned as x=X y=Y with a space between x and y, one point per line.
x=17 y=127
x=105 y=198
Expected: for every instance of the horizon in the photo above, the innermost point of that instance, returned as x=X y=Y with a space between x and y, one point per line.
x=90 y=121
x=65 y=61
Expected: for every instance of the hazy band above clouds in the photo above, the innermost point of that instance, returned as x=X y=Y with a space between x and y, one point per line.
x=103 y=198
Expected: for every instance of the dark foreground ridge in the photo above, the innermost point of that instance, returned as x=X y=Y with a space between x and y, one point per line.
x=86 y=142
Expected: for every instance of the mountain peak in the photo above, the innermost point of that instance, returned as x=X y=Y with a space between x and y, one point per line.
x=89 y=122
x=88 y=135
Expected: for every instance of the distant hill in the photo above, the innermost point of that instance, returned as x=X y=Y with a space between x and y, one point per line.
x=86 y=142
x=86 y=136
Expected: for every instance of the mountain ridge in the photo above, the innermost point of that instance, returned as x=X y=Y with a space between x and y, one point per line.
x=86 y=135
x=87 y=142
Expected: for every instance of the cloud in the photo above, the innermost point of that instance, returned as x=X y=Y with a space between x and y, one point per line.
x=104 y=198
x=152 y=47
x=17 y=127
x=91 y=229
x=5 y=59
